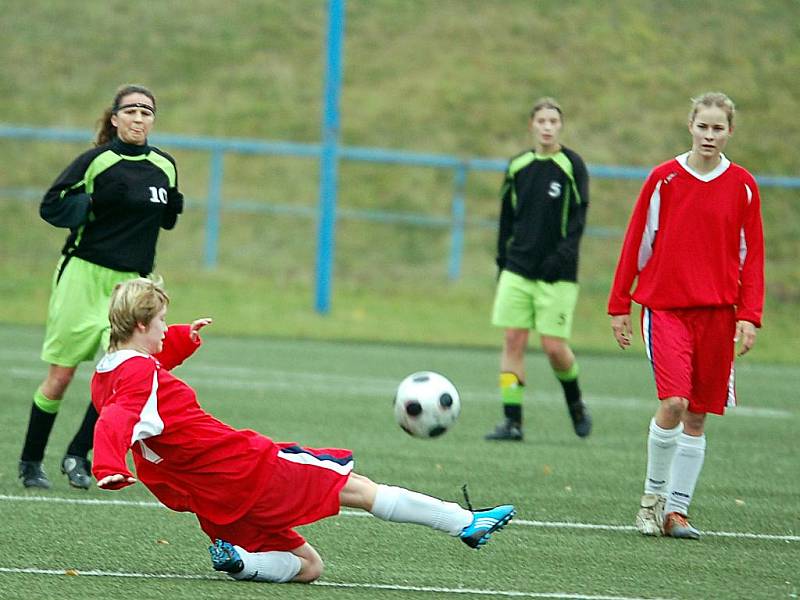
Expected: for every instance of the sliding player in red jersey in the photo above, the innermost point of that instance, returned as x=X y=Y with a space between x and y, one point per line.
x=248 y=492
x=695 y=244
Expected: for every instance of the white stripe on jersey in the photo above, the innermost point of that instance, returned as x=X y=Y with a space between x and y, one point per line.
x=148 y=453
x=304 y=458
x=651 y=228
x=150 y=422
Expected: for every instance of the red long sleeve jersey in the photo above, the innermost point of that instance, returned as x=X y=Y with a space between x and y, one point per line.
x=694 y=240
x=188 y=459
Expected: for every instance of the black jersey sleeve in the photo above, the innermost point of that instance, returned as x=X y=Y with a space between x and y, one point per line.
x=66 y=203
x=174 y=200
x=506 y=225
x=173 y=209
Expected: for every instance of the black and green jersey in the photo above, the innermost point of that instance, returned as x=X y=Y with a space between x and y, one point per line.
x=114 y=198
x=544 y=202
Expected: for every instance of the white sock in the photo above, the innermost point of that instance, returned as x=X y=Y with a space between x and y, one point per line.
x=277 y=567
x=661 y=444
x=686 y=467
x=404 y=506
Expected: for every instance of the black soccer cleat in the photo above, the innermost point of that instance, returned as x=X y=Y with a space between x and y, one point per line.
x=507 y=431
x=78 y=470
x=32 y=474
x=225 y=557
x=581 y=419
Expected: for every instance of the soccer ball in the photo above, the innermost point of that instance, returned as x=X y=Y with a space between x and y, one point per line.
x=426 y=404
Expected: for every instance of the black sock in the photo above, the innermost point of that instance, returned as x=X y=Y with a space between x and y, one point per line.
x=571 y=391
x=84 y=438
x=513 y=412
x=39 y=427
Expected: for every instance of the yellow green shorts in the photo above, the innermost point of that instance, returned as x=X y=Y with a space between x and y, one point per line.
x=522 y=303
x=77 y=317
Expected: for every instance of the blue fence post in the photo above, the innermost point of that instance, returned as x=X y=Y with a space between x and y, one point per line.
x=329 y=160
x=457 y=215
x=213 y=207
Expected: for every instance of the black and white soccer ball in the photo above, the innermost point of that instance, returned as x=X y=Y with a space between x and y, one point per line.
x=426 y=404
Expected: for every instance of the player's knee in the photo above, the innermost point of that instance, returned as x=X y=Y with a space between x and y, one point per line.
x=515 y=341
x=358 y=492
x=311 y=569
x=694 y=423
x=557 y=352
x=674 y=406
x=57 y=382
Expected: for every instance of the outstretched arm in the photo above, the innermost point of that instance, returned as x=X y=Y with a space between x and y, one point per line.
x=181 y=342
x=120 y=415
x=112 y=482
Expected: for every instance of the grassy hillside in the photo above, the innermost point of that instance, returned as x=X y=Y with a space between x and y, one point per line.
x=444 y=76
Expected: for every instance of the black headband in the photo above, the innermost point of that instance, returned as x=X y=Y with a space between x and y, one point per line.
x=116 y=109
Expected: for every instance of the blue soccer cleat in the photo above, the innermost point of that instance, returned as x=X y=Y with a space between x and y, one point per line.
x=484 y=523
x=224 y=557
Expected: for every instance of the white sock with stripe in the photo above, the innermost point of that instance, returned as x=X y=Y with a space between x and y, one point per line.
x=686 y=467
x=661 y=445
x=400 y=505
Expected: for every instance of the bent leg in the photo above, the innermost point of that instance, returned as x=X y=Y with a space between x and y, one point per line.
x=311 y=565
x=558 y=353
x=565 y=367
x=302 y=564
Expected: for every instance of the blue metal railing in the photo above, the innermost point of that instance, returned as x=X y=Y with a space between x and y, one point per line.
x=461 y=167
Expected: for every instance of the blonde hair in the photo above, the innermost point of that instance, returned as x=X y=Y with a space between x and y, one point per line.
x=133 y=302
x=546 y=102
x=710 y=99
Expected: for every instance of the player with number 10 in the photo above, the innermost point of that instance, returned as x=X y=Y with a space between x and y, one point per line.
x=114 y=199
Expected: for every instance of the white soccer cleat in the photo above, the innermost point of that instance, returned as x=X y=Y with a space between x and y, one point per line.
x=650 y=518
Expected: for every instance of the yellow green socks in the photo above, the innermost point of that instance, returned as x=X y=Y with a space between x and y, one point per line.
x=43 y=415
x=511 y=392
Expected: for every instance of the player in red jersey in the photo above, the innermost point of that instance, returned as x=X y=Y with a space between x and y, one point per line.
x=695 y=245
x=248 y=492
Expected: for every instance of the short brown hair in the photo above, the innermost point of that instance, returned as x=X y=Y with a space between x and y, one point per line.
x=133 y=302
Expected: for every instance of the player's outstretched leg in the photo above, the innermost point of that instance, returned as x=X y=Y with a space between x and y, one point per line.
x=399 y=505
x=485 y=522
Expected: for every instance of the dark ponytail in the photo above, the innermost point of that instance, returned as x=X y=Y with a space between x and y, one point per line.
x=105 y=130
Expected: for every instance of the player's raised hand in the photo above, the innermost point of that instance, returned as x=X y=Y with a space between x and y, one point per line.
x=621 y=326
x=745 y=336
x=115 y=482
x=197 y=325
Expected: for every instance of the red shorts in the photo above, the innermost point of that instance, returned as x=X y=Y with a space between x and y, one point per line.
x=304 y=488
x=691 y=351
